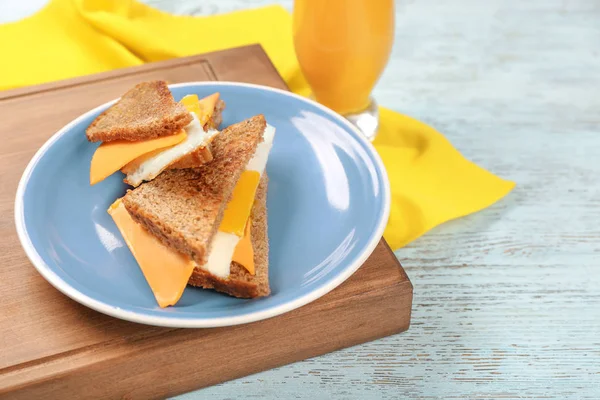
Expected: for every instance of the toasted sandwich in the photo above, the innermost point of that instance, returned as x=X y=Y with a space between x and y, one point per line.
x=147 y=132
x=205 y=226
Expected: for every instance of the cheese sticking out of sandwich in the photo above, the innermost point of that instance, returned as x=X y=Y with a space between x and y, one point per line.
x=165 y=270
x=207 y=107
x=203 y=108
x=153 y=166
x=147 y=121
x=112 y=156
x=191 y=103
x=197 y=138
x=238 y=209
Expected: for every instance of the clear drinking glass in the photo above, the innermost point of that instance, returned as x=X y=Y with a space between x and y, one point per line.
x=342 y=47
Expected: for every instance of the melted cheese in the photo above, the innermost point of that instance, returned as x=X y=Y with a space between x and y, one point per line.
x=112 y=156
x=244 y=252
x=166 y=271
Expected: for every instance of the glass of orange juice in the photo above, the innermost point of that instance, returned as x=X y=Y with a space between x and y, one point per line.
x=342 y=47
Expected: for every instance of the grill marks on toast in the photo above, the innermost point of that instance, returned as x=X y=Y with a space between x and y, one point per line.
x=240 y=282
x=184 y=207
x=146 y=111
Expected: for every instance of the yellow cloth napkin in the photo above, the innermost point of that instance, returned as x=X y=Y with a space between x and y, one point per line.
x=431 y=182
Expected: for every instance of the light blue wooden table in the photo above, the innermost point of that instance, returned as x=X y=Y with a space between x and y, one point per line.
x=507 y=301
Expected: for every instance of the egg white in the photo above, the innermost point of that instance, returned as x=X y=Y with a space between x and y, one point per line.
x=152 y=167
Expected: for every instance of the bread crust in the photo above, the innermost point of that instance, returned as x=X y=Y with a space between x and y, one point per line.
x=217 y=116
x=146 y=111
x=184 y=207
x=202 y=155
x=240 y=282
x=196 y=158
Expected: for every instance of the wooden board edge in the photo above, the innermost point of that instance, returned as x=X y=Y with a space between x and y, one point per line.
x=402 y=270
x=118 y=72
x=57 y=379
x=47 y=368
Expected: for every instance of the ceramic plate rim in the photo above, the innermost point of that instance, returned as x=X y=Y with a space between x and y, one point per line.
x=213 y=322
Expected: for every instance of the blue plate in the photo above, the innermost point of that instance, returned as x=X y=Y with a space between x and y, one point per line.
x=328 y=203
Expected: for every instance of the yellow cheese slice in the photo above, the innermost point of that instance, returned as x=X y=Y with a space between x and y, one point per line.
x=238 y=209
x=132 y=166
x=207 y=107
x=166 y=271
x=244 y=252
x=192 y=104
x=203 y=108
x=112 y=156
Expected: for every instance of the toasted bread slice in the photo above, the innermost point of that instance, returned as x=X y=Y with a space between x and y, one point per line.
x=147 y=111
x=184 y=207
x=240 y=282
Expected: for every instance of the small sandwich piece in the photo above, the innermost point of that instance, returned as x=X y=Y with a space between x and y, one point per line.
x=147 y=111
x=205 y=226
x=249 y=268
x=147 y=132
x=184 y=208
x=168 y=272
x=191 y=152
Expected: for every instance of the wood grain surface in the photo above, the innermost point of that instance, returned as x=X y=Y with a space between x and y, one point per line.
x=507 y=301
x=51 y=347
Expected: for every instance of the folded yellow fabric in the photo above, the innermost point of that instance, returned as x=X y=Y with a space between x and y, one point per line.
x=431 y=182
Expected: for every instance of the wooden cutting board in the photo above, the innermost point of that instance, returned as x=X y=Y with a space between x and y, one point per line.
x=52 y=347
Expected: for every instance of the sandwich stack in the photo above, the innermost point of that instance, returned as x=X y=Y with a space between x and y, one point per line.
x=197 y=212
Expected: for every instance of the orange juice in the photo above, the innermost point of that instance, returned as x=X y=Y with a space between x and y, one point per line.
x=342 y=47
